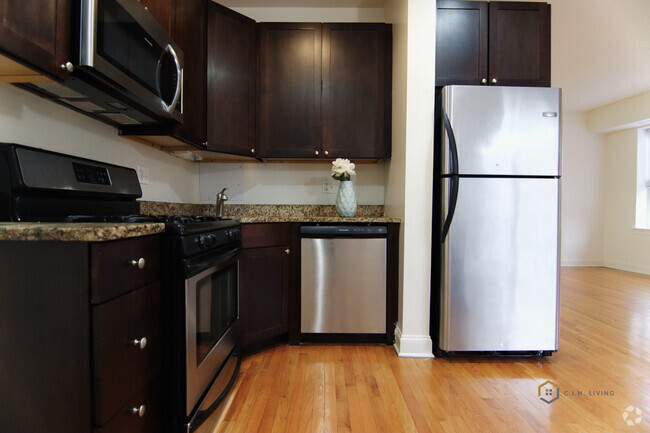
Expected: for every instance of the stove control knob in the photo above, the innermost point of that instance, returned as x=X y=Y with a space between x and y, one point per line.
x=202 y=241
x=229 y=234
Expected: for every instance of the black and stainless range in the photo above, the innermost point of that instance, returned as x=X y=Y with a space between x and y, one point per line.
x=201 y=258
x=200 y=272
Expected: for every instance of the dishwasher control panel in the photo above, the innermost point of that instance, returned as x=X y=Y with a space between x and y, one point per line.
x=344 y=231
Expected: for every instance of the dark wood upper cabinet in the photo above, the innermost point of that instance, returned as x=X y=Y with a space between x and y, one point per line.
x=231 y=81
x=461 y=42
x=163 y=12
x=190 y=35
x=520 y=44
x=325 y=90
x=37 y=33
x=495 y=43
x=290 y=87
x=356 y=123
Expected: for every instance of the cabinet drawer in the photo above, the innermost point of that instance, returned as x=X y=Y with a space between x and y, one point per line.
x=121 y=266
x=266 y=235
x=128 y=421
x=120 y=366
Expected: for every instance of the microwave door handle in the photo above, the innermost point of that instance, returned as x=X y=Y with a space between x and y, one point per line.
x=169 y=108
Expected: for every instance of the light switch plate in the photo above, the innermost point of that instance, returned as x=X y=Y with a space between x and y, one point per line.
x=143 y=175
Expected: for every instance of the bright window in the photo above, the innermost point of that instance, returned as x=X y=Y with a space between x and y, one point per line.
x=643 y=180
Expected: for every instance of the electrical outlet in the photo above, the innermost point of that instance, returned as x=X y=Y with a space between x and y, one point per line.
x=143 y=175
x=328 y=187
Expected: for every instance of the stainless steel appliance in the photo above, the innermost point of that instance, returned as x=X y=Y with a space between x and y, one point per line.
x=200 y=268
x=125 y=70
x=499 y=234
x=343 y=282
x=201 y=305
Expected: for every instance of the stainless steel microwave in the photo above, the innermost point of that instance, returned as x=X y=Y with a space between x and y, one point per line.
x=125 y=68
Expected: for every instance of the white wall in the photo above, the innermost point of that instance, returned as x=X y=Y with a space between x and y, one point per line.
x=287 y=183
x=626 y=247
x=410 y=172
x=583 y=184
x=33 y=121
x=312 y=14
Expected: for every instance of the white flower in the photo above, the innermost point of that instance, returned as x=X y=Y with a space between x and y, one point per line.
x=342 y=169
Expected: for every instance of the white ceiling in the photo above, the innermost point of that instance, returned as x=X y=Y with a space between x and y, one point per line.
x=302 y=3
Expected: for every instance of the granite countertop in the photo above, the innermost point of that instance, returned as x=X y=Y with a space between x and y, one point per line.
x=304 y=214
x=266 y=213
x=81 y=232
x=312 y=219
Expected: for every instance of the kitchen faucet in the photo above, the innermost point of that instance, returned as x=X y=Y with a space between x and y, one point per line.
x=221 y=197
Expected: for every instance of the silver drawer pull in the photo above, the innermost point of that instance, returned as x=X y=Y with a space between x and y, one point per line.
x=287 y=251
x=141 y=343
x=140 y=263
x=139 y=411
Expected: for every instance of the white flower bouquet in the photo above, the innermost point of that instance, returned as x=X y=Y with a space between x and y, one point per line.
x=342 y=169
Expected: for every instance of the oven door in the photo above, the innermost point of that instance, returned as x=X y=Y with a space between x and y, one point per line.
x=211 y=319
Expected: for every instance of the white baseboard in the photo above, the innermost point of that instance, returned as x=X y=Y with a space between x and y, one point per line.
x=576 y=263
x=630 y=267
x=413 y=346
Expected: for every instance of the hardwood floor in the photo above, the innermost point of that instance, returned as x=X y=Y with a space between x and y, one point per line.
x=604 y=349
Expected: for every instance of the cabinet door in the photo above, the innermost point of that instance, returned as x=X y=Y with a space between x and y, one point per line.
x=231 y=81
x=520 y=44
x=37 y=32
x=121 y=367
x=290 y=87
x=356 y=123
x=264 y=294
x=162 y=11
x=461 y=43
x=190 y=33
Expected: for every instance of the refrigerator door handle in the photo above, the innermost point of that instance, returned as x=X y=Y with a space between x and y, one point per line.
x=453 y=198
x=453 y=150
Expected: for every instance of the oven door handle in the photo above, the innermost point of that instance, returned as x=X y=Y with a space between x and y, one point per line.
x=218 y=259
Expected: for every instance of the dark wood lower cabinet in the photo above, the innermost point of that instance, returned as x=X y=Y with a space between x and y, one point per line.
x=71 y=363
x=266 y=275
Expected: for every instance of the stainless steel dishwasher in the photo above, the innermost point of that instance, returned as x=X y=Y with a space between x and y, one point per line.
x=343 y=281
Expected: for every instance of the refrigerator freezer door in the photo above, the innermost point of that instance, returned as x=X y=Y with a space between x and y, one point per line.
x=500 y=266
x=509 y=131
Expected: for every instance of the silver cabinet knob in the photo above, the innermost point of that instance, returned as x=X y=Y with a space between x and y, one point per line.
x=67 y=66
x=287 y=251
x=484 y=81
x=205 y=144
x=140 y=263
x=326 y=153
x=316 y=153
x=494 y=80
x=139 y=411
x=252 y=150
x=141 y=343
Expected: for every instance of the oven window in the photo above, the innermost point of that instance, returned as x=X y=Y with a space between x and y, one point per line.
x=216 y=309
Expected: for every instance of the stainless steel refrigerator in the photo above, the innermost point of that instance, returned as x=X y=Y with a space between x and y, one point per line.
x=499 y=228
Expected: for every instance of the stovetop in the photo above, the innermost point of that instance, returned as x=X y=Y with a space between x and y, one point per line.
x=174 y=224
